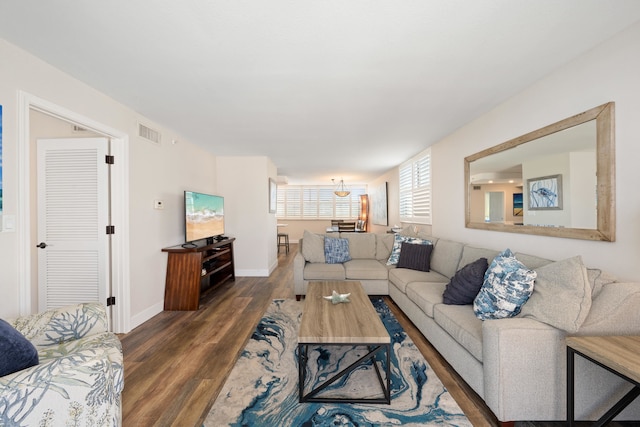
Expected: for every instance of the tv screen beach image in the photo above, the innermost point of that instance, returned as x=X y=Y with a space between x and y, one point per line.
x=204 y=215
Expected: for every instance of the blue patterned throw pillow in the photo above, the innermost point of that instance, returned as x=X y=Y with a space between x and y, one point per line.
x=507 y=285
x=336 y=251
x=399 y=239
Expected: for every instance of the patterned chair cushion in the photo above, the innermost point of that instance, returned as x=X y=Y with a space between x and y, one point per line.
x=80 y=377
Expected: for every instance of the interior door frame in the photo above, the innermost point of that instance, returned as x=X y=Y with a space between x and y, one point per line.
x=120 y=266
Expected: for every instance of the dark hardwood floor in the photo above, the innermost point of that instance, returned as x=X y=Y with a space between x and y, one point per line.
x=177 y=362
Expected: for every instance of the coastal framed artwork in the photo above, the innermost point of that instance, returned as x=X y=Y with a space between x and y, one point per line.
x=517 y=204
x=545 y=193
x=379 y=207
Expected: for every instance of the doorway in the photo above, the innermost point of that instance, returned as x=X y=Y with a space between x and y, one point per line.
x=27 y=207
x=494 y=206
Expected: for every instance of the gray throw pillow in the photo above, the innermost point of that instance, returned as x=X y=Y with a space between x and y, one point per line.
x=313 y=247
x=466 y=283
x=561 y=296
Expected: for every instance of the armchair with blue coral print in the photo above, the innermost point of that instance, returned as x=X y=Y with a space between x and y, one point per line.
x=78 y=376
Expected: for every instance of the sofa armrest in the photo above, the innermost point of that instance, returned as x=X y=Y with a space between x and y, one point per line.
x=55 y=326
x=524 y=367
x=298 y=274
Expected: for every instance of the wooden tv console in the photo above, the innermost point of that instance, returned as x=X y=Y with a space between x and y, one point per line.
x=193 y=270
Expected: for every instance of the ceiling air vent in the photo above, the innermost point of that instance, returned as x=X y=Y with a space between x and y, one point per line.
x=148 y=133
x=77 y=128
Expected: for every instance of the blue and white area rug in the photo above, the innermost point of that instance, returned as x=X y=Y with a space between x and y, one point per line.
x=262 y=388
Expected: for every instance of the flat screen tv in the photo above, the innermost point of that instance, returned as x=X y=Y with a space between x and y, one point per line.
x=204 y=216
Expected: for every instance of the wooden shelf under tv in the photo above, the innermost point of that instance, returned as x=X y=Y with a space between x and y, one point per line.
x=193 y=270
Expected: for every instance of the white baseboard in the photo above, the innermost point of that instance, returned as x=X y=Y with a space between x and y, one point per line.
x=252 y=273
x=147 y=314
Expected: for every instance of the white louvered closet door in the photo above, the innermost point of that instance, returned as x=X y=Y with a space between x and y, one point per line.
x=73 y=212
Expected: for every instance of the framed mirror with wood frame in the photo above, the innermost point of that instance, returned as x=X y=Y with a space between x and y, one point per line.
x=557 y=181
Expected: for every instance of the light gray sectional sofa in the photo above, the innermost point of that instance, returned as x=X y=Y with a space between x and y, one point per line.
x=517 y=365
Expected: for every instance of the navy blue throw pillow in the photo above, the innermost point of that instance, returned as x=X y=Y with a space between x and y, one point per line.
x=17 y=352
x=415 y=256
x=466 y=283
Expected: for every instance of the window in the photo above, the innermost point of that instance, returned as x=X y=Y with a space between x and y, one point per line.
x=317 y=202
x=415 y=189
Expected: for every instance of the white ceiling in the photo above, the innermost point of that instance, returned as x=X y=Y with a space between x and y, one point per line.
x=325 y=88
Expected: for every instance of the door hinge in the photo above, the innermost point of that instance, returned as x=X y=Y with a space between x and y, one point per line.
x=109 y=159
x=111 y=301
x=111 y=229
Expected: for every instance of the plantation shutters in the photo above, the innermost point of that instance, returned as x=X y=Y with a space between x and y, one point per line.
x=313 y=202
x=415 y=189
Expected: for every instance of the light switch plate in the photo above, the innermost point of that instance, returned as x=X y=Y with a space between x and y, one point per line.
x=8 y=223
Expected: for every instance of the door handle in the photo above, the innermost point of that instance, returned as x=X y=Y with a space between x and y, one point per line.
x=42 y=245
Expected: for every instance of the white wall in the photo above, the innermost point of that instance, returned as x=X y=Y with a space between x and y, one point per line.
x=607 y=73
x=156 y=172
x=393 y=203
x=244 y=183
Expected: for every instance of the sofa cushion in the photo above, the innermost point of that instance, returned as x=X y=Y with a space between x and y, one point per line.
x=466 y=283
x=17 y=352
x=507 y=286
x=397 y=246
x=336 y=250
x=445 y=257
x=415 y=256
x=313 y=247
x=384 y=244
x=471 y=254
x=532 y=261
x=426 y=295
x=323 y=271
x=599 y=278
x=364 y=269
x=623 y=320
x=561 y=296
x=361 y=245
x=401 y=277
x=460 y=322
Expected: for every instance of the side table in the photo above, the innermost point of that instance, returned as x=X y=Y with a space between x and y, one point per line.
x=617 y=354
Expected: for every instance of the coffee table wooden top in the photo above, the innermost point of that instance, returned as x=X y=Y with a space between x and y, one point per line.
x=355 y=322
x=621 y=353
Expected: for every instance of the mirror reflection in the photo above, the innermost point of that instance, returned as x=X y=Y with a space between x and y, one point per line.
x=555 y=181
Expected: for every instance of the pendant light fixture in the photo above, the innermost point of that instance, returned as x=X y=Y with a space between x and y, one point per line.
x=341 y=190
